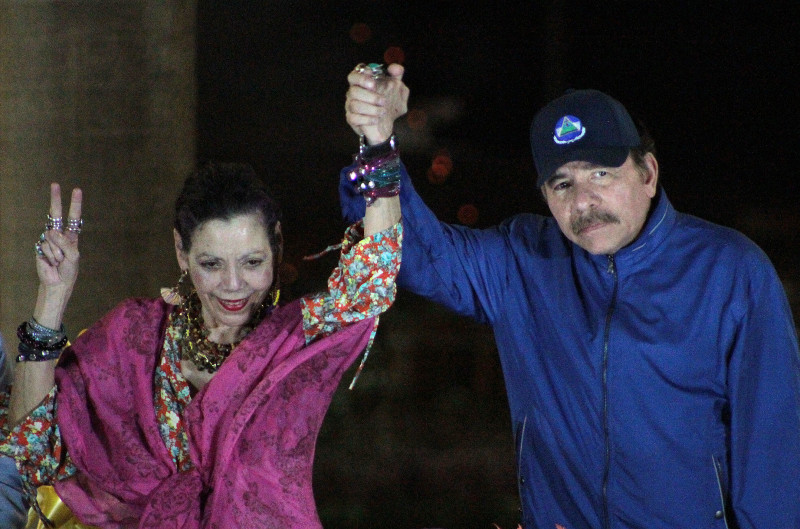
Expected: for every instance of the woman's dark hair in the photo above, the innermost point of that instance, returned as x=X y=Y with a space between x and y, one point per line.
x=221 y=191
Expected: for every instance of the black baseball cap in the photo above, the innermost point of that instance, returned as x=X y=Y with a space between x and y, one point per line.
x=581 y=125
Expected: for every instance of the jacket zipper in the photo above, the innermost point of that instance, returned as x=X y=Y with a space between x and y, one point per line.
x=520 y=478
x=612 y=269
x=718 y=474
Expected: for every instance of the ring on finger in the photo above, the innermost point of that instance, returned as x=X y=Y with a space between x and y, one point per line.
x=74 y=225
x=54 y=223
x=38 y=247
x=373 y=69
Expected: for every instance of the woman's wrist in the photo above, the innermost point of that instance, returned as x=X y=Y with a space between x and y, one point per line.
x=51 y=303
x=375 y=140
x=376 y=173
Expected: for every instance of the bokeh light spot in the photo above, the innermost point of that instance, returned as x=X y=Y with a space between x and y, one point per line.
x=360 y=32
x=467 y=215
x=394 y=54
x=435 y=178
x=441 y=167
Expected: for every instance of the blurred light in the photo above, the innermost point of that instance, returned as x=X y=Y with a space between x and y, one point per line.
x=441 y=167
x=434 y=178
x=394 y=54
x=467 y=215
x=416 y=119
x=360 y=32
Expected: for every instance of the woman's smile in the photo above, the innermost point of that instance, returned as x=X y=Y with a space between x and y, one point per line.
x=233 y=305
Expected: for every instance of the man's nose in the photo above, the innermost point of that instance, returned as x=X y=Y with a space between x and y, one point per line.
x=586 y=196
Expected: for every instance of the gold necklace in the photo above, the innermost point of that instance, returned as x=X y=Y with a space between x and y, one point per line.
x=193 y=342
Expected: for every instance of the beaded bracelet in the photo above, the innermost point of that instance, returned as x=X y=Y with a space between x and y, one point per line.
x=378 y=170
x=44 y=339
x=31 y=354
x=381 y=192
x=44 y=334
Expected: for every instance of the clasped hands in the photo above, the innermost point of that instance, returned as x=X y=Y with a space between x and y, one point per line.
x=372 y=105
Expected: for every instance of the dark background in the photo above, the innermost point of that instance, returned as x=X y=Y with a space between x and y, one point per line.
x=424 y=439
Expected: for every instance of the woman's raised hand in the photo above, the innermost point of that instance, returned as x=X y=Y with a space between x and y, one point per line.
x=57 y=249
x=373 y=104
x=57 y=265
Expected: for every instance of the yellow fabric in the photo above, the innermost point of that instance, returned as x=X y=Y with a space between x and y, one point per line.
x=55 y=510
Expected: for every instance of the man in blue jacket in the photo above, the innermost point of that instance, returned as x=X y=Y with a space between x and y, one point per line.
x=650 y=357
x=13 y=512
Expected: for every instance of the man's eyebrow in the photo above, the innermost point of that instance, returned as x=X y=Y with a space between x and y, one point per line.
x=557 y=175
x=580 y=165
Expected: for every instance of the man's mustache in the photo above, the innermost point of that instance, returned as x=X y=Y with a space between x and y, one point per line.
x=578 y=224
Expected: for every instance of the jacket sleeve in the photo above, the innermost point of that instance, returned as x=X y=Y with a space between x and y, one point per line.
x=5 y=374
x=13 y=512
x=458 y=267
x=764 y=396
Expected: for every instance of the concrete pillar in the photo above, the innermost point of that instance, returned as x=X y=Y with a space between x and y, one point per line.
x=99 y=95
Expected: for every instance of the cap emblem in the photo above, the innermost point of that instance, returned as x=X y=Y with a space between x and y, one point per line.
x=568 y=129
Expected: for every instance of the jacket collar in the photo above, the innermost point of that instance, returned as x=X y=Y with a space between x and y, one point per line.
x=658 y=225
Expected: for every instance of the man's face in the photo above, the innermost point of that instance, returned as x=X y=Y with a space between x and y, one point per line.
x=602 y=209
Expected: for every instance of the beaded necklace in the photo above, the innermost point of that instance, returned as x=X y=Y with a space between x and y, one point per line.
x=193 y=343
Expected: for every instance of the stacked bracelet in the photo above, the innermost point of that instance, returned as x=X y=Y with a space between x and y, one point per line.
x=31 y=354
x=38 y=343
x=377 y=173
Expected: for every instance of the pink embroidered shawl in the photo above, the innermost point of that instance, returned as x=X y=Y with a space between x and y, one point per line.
x=252 y=429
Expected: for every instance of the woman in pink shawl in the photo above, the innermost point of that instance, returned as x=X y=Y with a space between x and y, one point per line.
x=199 y=408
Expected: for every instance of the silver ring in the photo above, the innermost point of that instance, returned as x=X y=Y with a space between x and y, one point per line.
x=74 y=225
x=54 y=223
x=38 y=245
x=374 y=69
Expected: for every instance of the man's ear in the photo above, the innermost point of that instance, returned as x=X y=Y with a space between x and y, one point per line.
x=650 y=173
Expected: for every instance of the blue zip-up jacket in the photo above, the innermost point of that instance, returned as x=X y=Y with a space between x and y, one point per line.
x=13 y=512
x=657 y=388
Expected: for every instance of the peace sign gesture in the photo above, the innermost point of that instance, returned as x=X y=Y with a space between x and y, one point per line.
x=57 y=249
x=57 y=266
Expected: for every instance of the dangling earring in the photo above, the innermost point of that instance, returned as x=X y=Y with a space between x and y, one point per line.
x=274 y=297
x=180 y=292
x=275 y=290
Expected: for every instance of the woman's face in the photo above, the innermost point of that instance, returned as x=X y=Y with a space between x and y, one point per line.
x=230 y=263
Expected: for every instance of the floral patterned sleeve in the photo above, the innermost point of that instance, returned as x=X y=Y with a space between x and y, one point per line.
x=361 y=286
x=35 y=445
